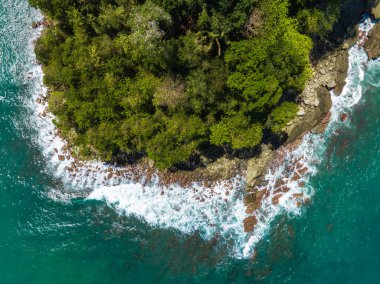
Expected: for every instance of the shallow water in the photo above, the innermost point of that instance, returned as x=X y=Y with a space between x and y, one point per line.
x=50 y=235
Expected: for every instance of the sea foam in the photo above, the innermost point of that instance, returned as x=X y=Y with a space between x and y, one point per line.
x=216 y=211
x=309 y=152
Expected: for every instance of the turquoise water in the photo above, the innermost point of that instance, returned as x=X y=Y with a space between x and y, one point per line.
x=45 y=239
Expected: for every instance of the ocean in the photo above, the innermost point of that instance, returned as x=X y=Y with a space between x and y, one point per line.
x=58 y=229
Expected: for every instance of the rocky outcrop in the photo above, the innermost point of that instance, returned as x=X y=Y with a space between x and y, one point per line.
x=329 y=74
x=341 y=71
x=325 y=101
x=375 y=11
x=256 y=166
x=372 y=45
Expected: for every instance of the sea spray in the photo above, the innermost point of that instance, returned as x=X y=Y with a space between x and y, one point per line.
x=286 y=187
x=215 y=211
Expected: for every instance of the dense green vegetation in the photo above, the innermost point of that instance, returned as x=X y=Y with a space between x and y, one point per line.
x=169 y=78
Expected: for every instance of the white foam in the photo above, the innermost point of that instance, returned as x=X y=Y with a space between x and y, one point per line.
x=210 y=211
x=180 y=209
x=311 y=148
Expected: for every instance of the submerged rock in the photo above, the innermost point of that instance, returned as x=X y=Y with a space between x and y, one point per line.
x=276 y=198
x=344 y=117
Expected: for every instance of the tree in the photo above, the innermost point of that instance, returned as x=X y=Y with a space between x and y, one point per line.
x=281 y=115
x=168 y=79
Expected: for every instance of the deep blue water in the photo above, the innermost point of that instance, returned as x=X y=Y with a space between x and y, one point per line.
x=47 y=240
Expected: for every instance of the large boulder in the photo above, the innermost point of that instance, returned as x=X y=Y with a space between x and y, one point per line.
x=372 y=45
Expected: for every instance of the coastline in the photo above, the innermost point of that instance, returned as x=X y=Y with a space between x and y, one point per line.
x=222 y=180
x=283 y=186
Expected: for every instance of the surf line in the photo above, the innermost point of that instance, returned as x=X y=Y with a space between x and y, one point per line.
x=286 y=184
x=216 y=210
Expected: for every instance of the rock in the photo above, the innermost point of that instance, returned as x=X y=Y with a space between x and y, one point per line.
x=256 y=166
x=34 y=25
x=61 y=158
x=345 y=46
x=276 y=198
x=249 y=199
x=327 y=118
x=341 y=71
x=320 y=128
x=316 y=102
x=56 y=150
x=344 y=117
x=301 y=111
x=372 y=45
x=296 y=177
x=39 y=100
x=151 y=163
x=249 y=223
x=250 y=209
x=303 y=170
x=375 y=11
x=298 y=195
x=325 y=102
x=330 y=84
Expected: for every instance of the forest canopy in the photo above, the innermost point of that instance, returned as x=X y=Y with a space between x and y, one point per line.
x=170 y=78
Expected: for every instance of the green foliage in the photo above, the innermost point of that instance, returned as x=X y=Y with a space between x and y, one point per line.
x=281 y=115
x=318 y=23
x=236 y=131
x=177 y=141
x=167 y=78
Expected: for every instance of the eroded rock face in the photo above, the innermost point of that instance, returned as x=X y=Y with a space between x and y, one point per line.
x=372 y=45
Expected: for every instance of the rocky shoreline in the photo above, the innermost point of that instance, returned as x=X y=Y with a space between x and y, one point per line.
x=314 y=104
x=314 y=115
x=329 y=74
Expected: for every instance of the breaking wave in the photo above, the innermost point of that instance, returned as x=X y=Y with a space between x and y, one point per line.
x=286 y=187
x=215 y=211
